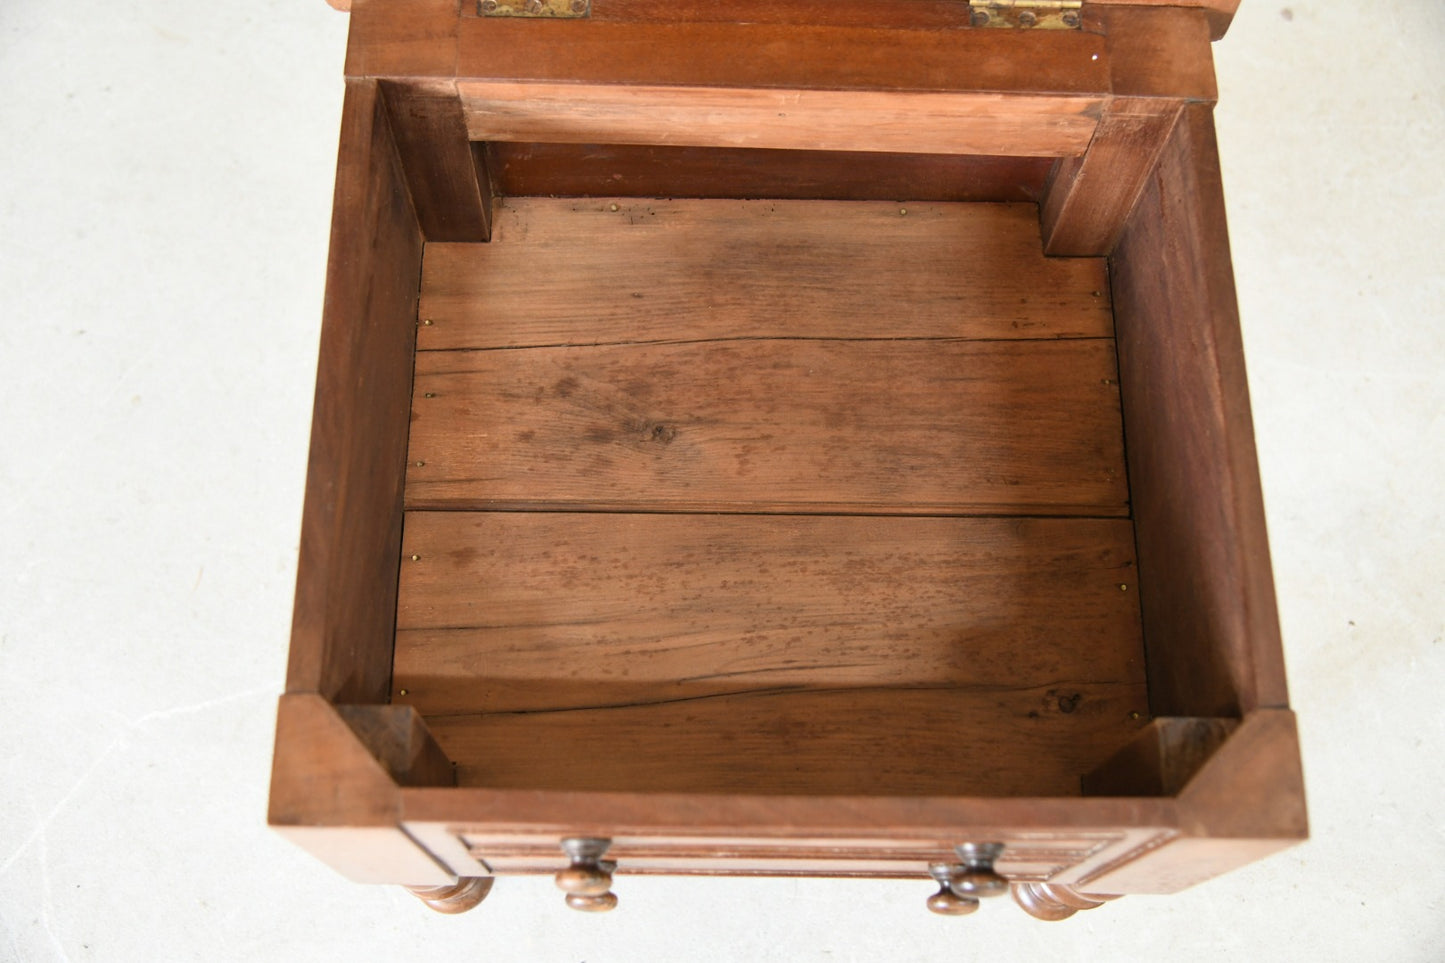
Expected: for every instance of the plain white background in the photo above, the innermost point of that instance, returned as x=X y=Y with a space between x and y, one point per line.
x=165 y=184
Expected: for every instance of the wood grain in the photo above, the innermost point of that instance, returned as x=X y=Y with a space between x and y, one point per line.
x=782 y=56
x=1161 y=759
x=883 y=741
x=629 y=170
x=578 y=272
x=937 y=122
x=912 y=427
x=1217 y=13
x=1088 y=199
x=1160 y=51
x=396 y=737
x=449 y=182
x=916 y=14
x=1107 y=828
x=402 y=38
x=351 y=526
x=1210 y=619
x=512 y=612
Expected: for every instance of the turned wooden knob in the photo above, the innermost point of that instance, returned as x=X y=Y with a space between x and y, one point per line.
x=977 y=878
x=584 y=881
x=946 y=902
x=979 y=883
x=588 y=880
x=592 y=904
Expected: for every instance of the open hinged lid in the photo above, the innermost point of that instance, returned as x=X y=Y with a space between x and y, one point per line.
x=1090 y=87
x=1045 y=14
x=988 y=13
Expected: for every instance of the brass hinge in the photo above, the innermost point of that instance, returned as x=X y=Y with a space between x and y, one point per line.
x=1028 y=14
x=539 y=9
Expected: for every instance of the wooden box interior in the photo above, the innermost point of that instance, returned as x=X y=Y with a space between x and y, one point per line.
x=662 y=472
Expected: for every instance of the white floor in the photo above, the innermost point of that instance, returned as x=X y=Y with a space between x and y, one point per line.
x=165 y=178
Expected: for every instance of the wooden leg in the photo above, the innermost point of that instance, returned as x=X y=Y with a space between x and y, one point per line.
x=456 y=897
x=1088 y=199
x=1054 y=901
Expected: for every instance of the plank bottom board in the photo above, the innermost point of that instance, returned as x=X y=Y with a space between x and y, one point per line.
x=873 y=742
x=771 y=654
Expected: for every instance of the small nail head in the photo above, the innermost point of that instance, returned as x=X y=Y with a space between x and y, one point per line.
x=421 y=464
x=612 y=207
x=1094 y=57
x=427 y=323
x=428 y=395
x=902 y=211
x=1134 y=715
x=416 y=558
x=401 y=692
x=1123 y=587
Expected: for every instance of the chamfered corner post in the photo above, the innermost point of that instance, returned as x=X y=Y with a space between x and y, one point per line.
x=1159 y=61
x=446 y=173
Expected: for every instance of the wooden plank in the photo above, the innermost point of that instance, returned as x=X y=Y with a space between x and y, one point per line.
x=915 y=14
x=351 y=525
x=579 y=272
x=911 y=427
x=1088 y=199
x=783 y=56
x=785 y=118
x=881 y=741
x=1210 y=619
x=782 y=86
x=631 y=170
x=449 y=186
x=716 y=820
x=513 y=611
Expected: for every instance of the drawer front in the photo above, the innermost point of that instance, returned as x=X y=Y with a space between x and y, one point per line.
x=1026 y=857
